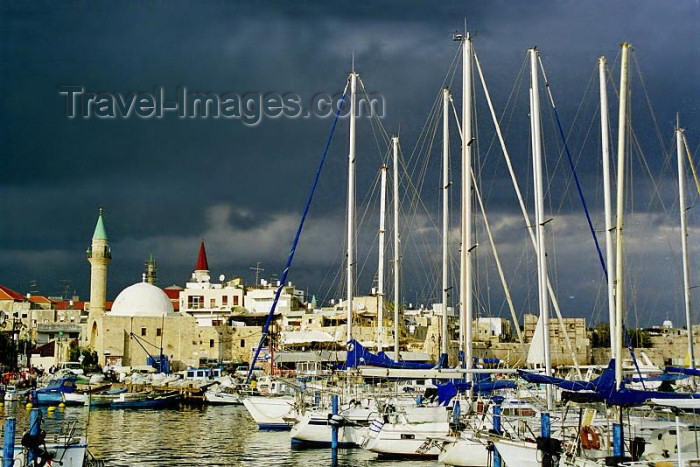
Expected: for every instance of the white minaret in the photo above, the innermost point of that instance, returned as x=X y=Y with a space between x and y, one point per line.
x=99 y=254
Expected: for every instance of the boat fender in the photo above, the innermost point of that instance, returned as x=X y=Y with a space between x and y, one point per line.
x=589 y=438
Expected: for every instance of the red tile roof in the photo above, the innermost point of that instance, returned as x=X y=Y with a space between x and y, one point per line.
x=65 y=305
x=39 y=299
x=173 y=294
x=9 y=294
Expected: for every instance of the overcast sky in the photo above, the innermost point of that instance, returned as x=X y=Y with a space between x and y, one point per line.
x=166 y=183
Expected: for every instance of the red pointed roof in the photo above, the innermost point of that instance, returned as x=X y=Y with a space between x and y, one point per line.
x=202 y=264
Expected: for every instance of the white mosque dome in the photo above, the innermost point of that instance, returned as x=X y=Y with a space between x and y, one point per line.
x=142 y=299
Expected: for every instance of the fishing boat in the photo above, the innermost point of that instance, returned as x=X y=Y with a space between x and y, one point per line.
x=146 y=400
x=52 y=393
x=15 y=394
x=105 y=398
x=38 y=448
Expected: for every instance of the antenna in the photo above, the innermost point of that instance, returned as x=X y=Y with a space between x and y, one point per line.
x=353 y=61
x=257 y=270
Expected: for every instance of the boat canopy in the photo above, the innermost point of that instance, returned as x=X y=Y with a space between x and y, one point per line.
x=359 y=356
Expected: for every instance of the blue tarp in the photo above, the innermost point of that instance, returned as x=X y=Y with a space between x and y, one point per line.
x=604 y=387
x=538 y=378
x=450 y=389
x=358 y=355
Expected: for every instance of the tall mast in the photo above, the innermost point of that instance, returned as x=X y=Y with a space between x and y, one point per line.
x=605 y=142
x=539 y=212
x=445 y=211
x=380 y=269
x=397 y=255
x=684 y=241
x=466 y=250
x=619 y=278
x=351 y=201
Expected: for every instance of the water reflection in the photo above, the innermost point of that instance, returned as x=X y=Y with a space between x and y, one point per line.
x=189 y=436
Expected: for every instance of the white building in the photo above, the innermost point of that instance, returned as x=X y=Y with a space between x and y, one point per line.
x=210 y=303
x=259 y=298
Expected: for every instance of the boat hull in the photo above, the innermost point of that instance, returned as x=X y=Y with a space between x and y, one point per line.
x=70 y=453
x=314 y=431
x=222 y=398
x=464 y=451
x=128 y=401
x=271 y=413
x=405 y=440
x=520 y=453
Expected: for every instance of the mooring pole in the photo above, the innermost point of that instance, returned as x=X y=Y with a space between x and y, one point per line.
x=8 y=445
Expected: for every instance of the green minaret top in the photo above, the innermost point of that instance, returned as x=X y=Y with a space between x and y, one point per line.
x=100 y=232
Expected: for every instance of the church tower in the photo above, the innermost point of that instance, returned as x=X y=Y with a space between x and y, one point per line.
x=99 y=254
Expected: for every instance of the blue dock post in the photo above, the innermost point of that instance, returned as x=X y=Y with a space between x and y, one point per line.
x=8 y=445
x=34 y=427
x=618 y=447
x=334 y=426
x=546 y=427
x=497 y=429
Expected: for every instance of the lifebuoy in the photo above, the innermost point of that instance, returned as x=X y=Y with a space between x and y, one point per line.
x=589 y=438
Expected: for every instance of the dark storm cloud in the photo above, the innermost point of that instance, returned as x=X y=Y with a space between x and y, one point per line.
x=166 y=183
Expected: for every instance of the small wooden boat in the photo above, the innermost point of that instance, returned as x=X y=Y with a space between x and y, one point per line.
x=146 y=400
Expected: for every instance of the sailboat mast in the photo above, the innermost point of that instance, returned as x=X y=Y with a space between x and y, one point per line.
x=621 y=143
x=684 y=242
x=397 y=255
x=605 y=142
x=351 y=202
x=466 y=279
x=380 y=269
x=445 y=210
x=539 y=213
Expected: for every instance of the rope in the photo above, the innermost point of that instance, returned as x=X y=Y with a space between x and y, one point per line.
x=292 y=250
x=573 y=171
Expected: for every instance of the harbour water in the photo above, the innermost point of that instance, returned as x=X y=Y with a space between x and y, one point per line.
x=188 y=436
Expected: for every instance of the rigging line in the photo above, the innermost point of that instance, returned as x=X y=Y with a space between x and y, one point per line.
x=498 y=261
x=573 y=170
x=651 y=109
x=374 y=119
x=692 y=165
x=573 y=126
x=292 y=250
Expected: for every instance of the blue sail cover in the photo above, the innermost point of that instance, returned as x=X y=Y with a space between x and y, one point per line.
x=603 y=388
x=559 y=382
x=360 y=356
x=450 y=389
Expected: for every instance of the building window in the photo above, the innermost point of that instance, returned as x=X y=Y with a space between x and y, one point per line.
x=224 y=300
x=235 y=300
x=159 y=332
x=242 y=342
x=143 y=331
x=195 y=302
x=212 y=302
x=211 y=342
